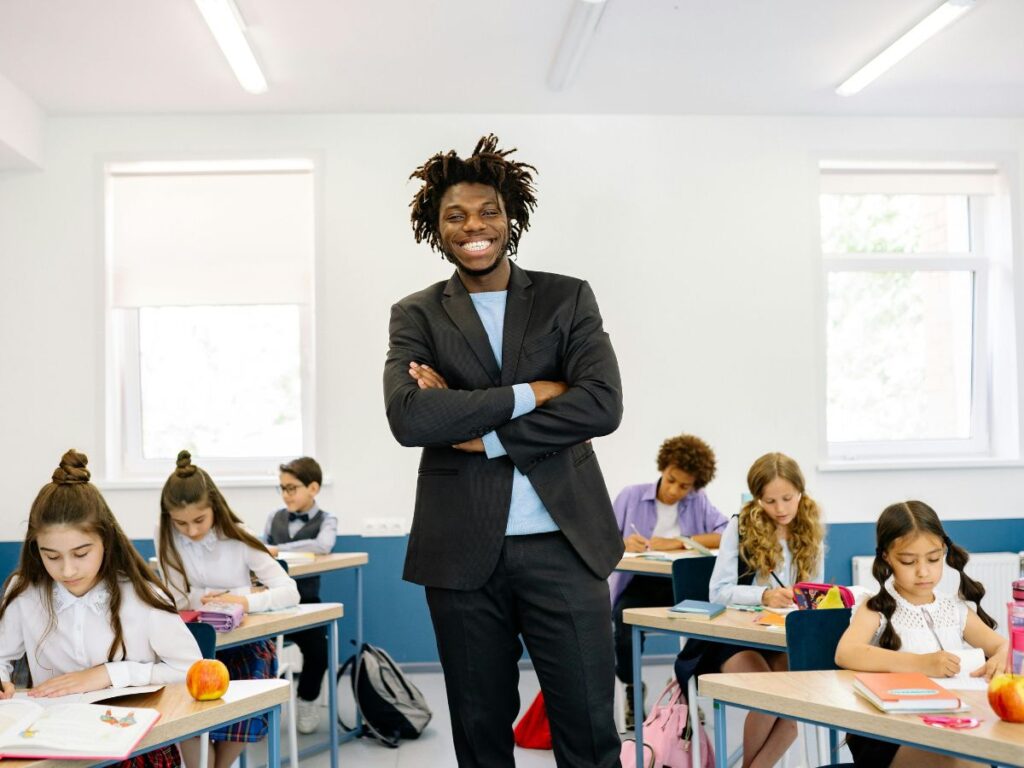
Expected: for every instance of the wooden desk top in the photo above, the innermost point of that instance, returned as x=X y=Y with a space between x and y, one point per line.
x=732 y=626
x=827 y=698
x=181 y=715
x=257 y=626
x=645 y=566
x=335 y=561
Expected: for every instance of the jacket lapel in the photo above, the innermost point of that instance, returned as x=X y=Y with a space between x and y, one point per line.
x=459 y=306
x=517 y=316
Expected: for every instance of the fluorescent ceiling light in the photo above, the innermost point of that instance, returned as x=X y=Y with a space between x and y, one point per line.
x=930 y=25
x=575 y=40
x=228 y=29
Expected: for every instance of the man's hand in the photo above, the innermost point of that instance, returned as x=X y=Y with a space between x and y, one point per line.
x=663 y=544
x=476 y=445
x=427 y=377
x=76 y=682
x=546 y=390
x=636 y=543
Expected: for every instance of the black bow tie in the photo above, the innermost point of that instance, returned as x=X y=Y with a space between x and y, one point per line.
x=293 y=516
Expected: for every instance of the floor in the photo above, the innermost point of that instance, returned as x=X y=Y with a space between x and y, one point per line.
x=434 y=748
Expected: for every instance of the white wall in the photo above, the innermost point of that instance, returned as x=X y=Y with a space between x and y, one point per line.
x=699 y=236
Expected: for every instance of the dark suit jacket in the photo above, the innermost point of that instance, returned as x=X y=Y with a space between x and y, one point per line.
x=552 y=331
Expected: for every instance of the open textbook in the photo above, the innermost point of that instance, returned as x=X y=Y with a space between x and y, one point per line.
x=48 y=728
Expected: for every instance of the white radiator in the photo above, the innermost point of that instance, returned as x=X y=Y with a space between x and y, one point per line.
x=996 y=570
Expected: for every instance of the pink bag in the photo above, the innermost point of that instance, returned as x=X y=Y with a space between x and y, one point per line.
x=665 y=736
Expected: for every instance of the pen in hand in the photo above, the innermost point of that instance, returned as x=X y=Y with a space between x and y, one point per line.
x=778 y=580
x=647 y=543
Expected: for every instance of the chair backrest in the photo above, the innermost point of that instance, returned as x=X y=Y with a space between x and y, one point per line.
x=812 y=637
x=206 y=637
x=690 y=577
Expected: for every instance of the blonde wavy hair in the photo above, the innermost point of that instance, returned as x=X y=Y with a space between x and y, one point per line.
x=759 y=542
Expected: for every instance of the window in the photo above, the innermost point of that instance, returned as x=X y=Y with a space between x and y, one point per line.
x=210 y=300
x=915 y=267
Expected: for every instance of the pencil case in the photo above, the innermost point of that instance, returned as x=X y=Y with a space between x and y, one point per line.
x=222 y=616
x=807 y=594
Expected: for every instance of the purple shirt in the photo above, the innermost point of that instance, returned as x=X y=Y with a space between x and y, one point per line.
x=637 y=505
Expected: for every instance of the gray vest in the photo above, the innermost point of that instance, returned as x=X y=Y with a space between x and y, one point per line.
x=309 y=588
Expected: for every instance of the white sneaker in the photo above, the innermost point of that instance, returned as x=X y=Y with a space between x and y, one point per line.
x=307 y=716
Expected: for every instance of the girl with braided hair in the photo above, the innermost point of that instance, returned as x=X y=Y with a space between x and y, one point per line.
x=207 y=555
x=96 y=596
x=909 y=626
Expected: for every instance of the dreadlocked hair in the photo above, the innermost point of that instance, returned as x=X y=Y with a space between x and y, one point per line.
x=71 y=500
x=487 y=165
x=909 y=518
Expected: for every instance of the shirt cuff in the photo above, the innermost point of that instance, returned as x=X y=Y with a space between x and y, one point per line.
x=492 y=445
x=526 y=401
x=119 y=673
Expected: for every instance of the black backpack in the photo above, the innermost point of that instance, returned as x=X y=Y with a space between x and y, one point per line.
x=392 y=707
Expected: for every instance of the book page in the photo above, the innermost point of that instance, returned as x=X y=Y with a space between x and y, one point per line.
x=104 y=694
x=81 y=729
x=970 y=660
x=16 y=714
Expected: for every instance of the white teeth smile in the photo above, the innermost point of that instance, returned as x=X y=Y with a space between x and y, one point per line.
x=478 y=245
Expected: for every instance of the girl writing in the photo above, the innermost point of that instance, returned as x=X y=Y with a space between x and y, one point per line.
x=909 y=626
x=85 y=607
x=774 y=542
x=206 y=556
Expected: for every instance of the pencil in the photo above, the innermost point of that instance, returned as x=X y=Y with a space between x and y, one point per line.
x=777 y=579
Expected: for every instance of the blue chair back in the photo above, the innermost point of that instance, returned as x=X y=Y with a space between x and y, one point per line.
x=812 y=637
x=206 y=637
x=690 y=577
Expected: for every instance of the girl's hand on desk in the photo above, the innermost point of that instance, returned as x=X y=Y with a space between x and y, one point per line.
x=993 y=666
x=940 y=664
x=777 y=598
x=664 y=545
x=75 y=682
x=6 y=690
x=242 y=600
x=636 y=543
x=274 y=551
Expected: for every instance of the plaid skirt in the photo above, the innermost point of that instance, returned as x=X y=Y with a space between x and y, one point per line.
x=254 y=661
x=165 y=757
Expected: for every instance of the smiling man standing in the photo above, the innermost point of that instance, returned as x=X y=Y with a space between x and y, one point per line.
x=503 y=376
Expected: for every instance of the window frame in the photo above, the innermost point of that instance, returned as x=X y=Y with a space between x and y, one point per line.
x=977 y=261
x=125 y=463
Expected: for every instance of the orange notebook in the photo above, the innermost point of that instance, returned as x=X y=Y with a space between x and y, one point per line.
x=904 y=692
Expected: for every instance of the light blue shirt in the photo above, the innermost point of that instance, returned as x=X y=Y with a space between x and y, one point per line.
x=527 y=513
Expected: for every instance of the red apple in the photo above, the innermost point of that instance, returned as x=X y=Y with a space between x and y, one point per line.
x=1006 y=697
x=207 y=680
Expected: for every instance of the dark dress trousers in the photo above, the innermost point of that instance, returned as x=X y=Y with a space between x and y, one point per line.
x=484 y=589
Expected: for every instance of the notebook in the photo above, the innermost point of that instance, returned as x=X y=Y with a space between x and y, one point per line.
x=904 y=692
x=698 y=609
x=696 y=546
x=223 y=617
x=72 y=731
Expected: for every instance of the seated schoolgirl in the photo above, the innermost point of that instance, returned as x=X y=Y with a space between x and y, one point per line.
x=910 y=626
x=655 y=516
x=207 y=555
x=84 y=607
x=774 y=542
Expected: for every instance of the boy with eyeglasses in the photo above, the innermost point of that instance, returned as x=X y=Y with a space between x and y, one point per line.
x=303 y=527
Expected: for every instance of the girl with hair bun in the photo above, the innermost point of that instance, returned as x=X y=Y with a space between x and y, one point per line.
x=774 y=542
x=84 y=606
x=207 y=555
x=909 y=626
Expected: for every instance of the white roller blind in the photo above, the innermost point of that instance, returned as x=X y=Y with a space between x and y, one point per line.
x=192 y=238
x=907 y=179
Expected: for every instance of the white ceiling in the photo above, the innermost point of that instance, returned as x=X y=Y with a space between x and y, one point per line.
x=648 y=56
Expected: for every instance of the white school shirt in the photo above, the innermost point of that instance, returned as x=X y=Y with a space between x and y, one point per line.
x=667 y=523
x=723 y=587
x=159 y=647
x=949 y=616
x=215 y=564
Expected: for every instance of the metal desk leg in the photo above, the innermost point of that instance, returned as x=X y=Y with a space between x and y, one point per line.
x=274 y=738
x=359 y=636
x=638 y=696
x=833 y=745
x=721 y=753
x=332 y=689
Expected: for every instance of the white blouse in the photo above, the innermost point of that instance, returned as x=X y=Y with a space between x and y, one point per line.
x=159 y=647
x=723 y=587
x=216 y=564
x=948 y=614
